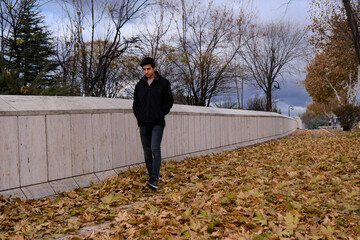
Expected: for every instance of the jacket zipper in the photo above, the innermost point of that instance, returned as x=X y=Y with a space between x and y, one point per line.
x=148 y=103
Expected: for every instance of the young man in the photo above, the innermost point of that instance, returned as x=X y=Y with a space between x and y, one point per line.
x=152 y=101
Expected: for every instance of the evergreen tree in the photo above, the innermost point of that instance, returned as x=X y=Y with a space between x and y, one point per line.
x=29 y=52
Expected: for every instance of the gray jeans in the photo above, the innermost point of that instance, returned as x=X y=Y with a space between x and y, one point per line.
x=151 y=137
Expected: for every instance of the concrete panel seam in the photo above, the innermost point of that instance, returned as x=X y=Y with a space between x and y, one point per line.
x=112 y=139
x=51 y=186
x=47 y=148
x=250 y=142
x=18 y=142
x=71 y=150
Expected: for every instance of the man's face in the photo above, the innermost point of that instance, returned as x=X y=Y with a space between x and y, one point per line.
x=149 y=71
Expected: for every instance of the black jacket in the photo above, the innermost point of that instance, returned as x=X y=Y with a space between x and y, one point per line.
x=152 y=103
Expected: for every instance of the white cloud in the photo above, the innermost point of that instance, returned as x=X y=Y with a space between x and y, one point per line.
x=294 y=110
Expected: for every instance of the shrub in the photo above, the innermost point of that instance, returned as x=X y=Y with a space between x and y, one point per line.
x=349 y=116
x=315 y=123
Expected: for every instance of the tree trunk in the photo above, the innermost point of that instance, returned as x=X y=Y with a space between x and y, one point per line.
x=268 y=100
x=353 y=27
x=242 y=93
x=237 y=93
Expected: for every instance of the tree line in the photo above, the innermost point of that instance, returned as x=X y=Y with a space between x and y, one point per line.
x=333 y=73
x=205 y=49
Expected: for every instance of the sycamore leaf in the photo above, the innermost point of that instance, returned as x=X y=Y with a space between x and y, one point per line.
x=287 y=233
x=291 y=221
x=187 y=213
x=122 y=216
x=328 y=231
x=259 y=218
x=304 y=186
x=211 y=226
x=111 y=198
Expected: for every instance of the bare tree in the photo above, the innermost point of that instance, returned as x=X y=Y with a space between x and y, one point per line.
x=153 y=42
x=259 y=103
x=273 y=52
x=208 y=38
x=94 y=42
x=241 y=78
x=156 y=27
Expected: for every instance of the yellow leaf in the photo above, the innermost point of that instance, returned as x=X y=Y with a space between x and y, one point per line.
x=291 y=221
x=187 y=213
x=111 y=198
x=259 y=218
x=154 y=210
x=328 y=231
x=195 y=225
x=287 y=233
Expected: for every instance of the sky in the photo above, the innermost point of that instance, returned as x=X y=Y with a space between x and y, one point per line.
x=291 y=93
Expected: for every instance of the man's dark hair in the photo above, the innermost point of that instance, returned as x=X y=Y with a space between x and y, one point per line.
x=147 y=61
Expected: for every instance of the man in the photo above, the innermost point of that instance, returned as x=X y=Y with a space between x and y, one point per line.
x=152 y=101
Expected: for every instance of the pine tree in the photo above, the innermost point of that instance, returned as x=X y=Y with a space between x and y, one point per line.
x=30 y=51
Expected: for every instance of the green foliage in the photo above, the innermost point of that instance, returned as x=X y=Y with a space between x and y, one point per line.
x=348 y=115
x=315 y=123
x=9 y=81
x=28 y=64
x=30 y=49
x=12 y=84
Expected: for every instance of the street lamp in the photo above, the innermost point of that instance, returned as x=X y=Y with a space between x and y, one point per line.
x=290 y=107
x=278 y=85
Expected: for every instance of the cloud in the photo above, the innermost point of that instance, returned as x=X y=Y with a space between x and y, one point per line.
x=289 y=94
x=270 y=10
x=294 y=110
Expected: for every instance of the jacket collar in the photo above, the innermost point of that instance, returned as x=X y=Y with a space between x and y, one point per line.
x=157 y=75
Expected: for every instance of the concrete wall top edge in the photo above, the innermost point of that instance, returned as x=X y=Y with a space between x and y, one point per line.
x=38 y=105
x=5 y=107
x=54 y=103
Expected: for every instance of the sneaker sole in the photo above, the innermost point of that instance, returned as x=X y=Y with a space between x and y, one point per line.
x=149 y=185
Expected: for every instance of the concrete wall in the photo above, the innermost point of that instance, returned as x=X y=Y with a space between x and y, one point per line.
x=53 y=144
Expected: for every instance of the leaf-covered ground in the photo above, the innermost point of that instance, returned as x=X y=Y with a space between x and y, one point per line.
x=304 y=186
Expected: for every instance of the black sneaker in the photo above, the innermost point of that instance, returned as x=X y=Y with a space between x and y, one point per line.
x=152 y=185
